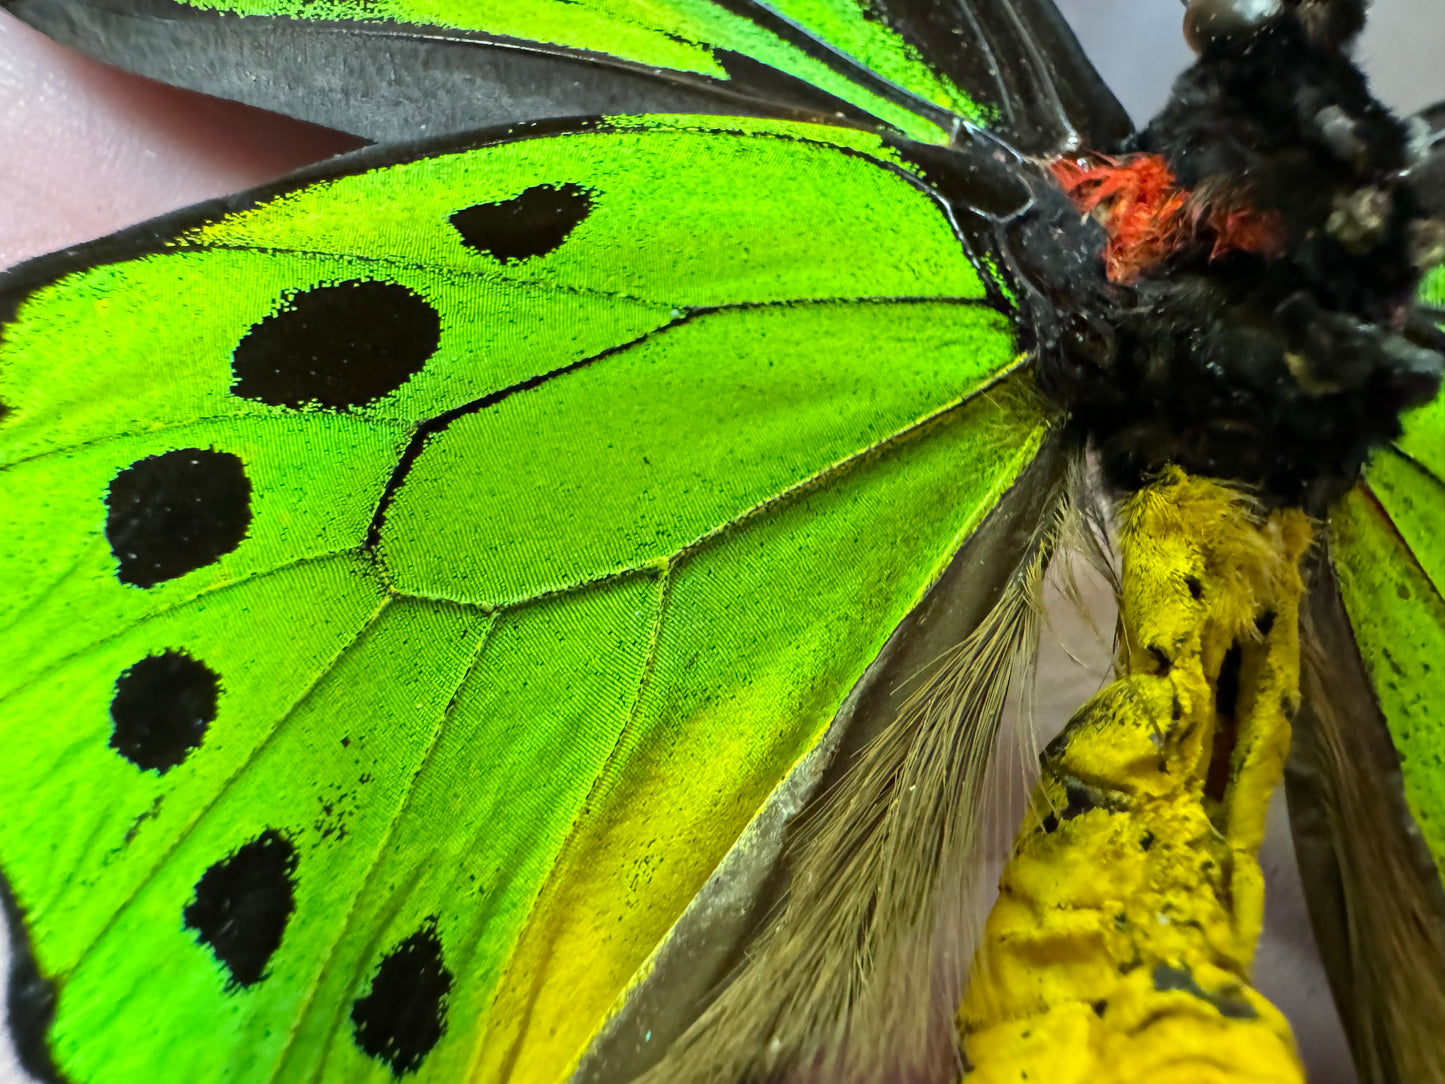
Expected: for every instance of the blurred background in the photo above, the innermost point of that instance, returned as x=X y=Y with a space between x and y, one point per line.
x=1137 y=46
x=89 y=150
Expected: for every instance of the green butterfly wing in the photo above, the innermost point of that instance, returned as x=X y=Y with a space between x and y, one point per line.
x=1388 y=544
x=1368 y=786
x=391 y=69
x=422 y=572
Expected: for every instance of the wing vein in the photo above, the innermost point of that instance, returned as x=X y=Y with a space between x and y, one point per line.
x=664 y=596
x=1404 y=544
x=165 y=611
x=184 y=832
x=305 y=1005
x=789 y=493
x=1395 y=448
x=114 y=437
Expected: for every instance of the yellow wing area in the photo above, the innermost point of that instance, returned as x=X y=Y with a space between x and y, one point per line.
x=1121 y=945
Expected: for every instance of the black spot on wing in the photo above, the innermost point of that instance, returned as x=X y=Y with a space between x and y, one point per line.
x=161 y=708
x=403 y=1015
x=170 y=514
x=531 y=224
x=242 y=904
x=337 y=347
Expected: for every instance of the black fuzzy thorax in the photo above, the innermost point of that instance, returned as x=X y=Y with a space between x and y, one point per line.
x=1278 y=371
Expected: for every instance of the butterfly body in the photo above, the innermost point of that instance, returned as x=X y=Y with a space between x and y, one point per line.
x=445 y=575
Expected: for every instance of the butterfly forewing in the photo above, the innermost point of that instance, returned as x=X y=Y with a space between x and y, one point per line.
x=419 y=66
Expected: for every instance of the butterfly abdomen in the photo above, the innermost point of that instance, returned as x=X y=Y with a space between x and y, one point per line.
x=1121 y=944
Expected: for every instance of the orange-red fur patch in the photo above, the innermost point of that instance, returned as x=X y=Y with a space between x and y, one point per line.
x=1148 y=217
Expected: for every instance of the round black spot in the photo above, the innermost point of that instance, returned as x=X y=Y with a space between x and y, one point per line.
x=161 y=708
x=404 y=1014
x=532 y=224
x=336 y=347
x=170 y=514
x=242 y=904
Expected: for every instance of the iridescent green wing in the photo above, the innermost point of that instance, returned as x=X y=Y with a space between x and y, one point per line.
x=1388 y=545
x=397 y=69
x=420 y=573
x=1368 y=793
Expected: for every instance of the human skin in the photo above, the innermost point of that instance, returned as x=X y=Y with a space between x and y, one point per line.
x=88 y=150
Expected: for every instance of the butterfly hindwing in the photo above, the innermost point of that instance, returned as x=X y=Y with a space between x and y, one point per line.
x=1366 y=804
x=425 y=570
x=1388 y=548
x=1390 y=558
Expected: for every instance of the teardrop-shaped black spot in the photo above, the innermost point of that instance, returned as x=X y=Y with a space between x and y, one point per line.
x=161 y=708
x=337 y=347
x=242 y=904
x=532 y=224
x=170 y=514
x=404 y=1014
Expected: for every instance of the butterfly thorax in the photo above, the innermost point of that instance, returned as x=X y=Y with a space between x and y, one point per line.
x=1263 y=244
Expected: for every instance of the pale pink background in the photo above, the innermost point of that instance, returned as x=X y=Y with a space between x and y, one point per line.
x=85 y=149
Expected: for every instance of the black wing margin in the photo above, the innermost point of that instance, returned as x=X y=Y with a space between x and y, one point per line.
x=1021 y=58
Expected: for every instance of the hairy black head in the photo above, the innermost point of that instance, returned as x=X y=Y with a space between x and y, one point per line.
x=1278 y=364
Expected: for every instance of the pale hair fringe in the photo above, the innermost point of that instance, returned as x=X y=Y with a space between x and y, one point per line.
x=1084 y=564
x=857 y=975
